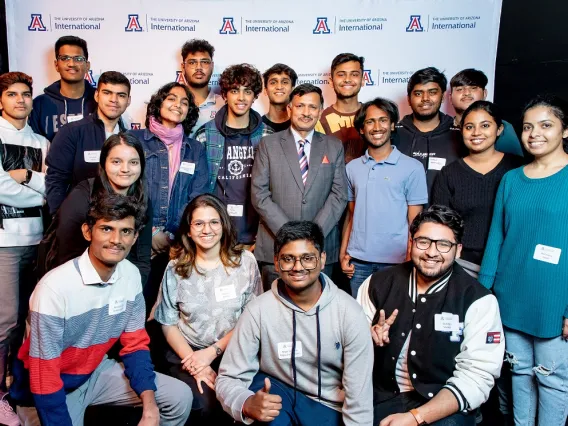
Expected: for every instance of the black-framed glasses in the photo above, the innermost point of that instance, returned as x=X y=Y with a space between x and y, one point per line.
x=308 y=261
x=192 y=63
x=67 y=58
x=423 y=243
x=214 y=224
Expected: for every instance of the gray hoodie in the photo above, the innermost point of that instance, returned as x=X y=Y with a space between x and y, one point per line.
x=333 y=361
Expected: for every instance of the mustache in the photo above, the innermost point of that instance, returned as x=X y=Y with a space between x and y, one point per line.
x=114 y=246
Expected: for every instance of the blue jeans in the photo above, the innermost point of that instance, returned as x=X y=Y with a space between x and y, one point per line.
x=362 y=271
x=540 y=377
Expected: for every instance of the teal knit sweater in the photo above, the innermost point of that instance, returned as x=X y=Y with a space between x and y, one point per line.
x=532 y=294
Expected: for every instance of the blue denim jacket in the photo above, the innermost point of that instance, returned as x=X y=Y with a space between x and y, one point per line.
x=186 y=186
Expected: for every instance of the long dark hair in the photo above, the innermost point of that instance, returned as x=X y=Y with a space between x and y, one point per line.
x=158 y=98
x=102 y=185
x=184 y=249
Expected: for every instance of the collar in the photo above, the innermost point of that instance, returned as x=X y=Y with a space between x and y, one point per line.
x=89 y=274
x=434 y=288
x=210 y=100
x=391 y=159
x=298 y=138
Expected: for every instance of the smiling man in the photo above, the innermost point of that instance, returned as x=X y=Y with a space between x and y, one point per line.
x=75 y=151
x=279 y=80
x=384 y=174
x=438 y=333
x=301 y=353
x=231 y=139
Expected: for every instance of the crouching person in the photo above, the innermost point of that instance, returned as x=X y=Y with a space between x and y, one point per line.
x=77 y=312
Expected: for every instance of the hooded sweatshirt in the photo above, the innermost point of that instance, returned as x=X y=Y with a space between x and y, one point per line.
x=325 y=353
x=52 y=110
x=20 y=204
x=434 y=149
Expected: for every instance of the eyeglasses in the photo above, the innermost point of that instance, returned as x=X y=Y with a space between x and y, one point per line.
x=193 y=63
x=423 y=243
x=308 y=261
x=67 y=58
x=214 y=224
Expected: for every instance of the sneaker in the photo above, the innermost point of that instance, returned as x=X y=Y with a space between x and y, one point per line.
x=7 y=415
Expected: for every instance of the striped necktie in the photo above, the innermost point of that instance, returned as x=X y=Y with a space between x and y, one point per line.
x=303 y=161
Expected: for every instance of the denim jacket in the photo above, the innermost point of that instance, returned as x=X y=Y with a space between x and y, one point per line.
x=186 y=186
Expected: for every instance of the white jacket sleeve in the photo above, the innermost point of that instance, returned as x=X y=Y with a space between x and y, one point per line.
x=481 y=357
x=14 y=194
x=365 y=301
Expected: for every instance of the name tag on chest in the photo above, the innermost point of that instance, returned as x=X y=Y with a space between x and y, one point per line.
x=285 y=350
x=116 y=305
x=436 y=163
x=226 y=292
x=92 y=156
x=547 y=254
x=235 y=210
x=72 y=118
x=186 y=167
x=446 y=322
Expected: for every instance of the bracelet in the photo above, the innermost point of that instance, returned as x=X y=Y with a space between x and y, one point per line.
x=156 y=231
x=418 y=417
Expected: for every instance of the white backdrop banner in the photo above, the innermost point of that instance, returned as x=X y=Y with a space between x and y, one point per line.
x=143 y=39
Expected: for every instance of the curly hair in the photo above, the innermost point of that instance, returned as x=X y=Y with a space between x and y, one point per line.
x=441 y=215
x=196 y=45
x=236 y=76
x=158 y=98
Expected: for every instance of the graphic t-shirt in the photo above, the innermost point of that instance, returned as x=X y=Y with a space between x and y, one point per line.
x=277 y=127
x=340 y=125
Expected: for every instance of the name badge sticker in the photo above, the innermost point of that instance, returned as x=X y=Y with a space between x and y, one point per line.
x=235 y=210
x=226 y=292
x=436 y=163
x=446 y=323
x=92 y=156
x=186 y=167
x=116 y=306
x=73 y=118
x=285 y=350
x=547 y=254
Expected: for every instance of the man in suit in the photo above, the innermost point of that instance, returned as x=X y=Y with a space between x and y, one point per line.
x=299 y=174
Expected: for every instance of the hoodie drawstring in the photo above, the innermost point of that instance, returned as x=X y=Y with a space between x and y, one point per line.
x=294 y=353
x=319 y=351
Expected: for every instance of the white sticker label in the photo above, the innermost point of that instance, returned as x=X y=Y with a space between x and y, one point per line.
x=226 y=292
x=547 y=254
x=435 y=163
x=186 y=167
x=285 y=350
x=92 y=156
x=446 y=322
x=235 y=210
x=76 y=117
x=116 y=306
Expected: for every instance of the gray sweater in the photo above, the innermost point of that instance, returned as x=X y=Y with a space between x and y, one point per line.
x=339 y=379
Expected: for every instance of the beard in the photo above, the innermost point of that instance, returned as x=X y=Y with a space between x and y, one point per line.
x=197 y=85
x=425 y=117
x=433 y=275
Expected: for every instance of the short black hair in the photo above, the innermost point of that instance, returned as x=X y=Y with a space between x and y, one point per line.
x=280 y=69
x=489 y=107
x=346 y=57
x=240 y=75
x=113 y=206
x=71 y=41
x=196 y=45
x=442 y=215
x=425 y=76
x=469 y=77
x=385 y=105
x=296 y=230
x=113 y=77
x=155 y=105
x=304 y=89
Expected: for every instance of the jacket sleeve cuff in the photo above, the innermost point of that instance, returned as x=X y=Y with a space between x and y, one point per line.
x=37 y=182
x=240 y=402
x=139 y=370
x=462 y=402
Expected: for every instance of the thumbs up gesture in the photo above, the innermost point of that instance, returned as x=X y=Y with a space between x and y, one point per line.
x=263 y=406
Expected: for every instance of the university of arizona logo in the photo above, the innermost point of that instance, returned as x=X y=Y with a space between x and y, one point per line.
x=228 y=26
x=367 y=78
x=213 y=114
x=414 y=26
x=321 y=27
x=135 y=126
x=36 y=23
x=133 y=24
x=179 y=77
x=89 y=77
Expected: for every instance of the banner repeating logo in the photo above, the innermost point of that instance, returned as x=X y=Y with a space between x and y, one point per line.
x=321 y=27
x=135 y=126
x=133 y=24
x=228 y=26
x=89 y=77
x=36 y=23
x=415 y=26
x=367 y=78
x=179 y=77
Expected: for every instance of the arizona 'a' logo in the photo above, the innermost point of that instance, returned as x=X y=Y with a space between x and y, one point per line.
x=89 y=77
x=135 y=126
x=133 y=24
x=367 y=78
x=321 y=27
x=179 y=77
x=228 y=26
x=414 y=26
x=36 y=24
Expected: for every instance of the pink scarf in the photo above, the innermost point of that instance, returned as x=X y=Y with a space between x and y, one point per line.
x=173 y=139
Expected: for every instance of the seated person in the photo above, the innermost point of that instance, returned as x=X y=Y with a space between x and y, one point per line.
x=301 y=353
x=440 y=349
x=205 y=288
x=77 y=312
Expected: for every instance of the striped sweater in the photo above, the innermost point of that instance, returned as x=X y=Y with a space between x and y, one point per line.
x=74 y=321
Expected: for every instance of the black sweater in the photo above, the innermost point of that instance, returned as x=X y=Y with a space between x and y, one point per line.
x=472 y=195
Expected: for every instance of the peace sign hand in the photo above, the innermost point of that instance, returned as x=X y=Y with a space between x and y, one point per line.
x=380 y=331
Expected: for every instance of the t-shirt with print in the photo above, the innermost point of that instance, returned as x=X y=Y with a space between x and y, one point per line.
x=277 y=127
x=340 y=125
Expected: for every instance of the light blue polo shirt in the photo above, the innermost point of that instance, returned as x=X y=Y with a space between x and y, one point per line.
x=382 y=193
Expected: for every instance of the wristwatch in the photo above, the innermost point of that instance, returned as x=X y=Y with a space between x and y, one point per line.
x=218 y=350
x=418 y=417
x=28 y=177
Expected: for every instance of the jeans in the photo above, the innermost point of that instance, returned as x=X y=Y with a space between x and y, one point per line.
x=540 y=378
x=362 y=271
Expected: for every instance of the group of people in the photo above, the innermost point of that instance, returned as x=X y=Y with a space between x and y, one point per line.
x=337 y=266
